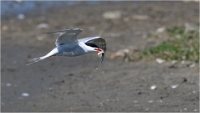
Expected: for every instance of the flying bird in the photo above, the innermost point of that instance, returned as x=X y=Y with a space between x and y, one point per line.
x=67 y=44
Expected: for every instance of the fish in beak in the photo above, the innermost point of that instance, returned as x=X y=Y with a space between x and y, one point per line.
x=100 y=53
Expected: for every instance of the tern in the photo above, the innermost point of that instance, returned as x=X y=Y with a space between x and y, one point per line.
x=67 y=44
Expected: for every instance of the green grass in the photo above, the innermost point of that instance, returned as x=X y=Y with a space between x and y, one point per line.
x=186 y=47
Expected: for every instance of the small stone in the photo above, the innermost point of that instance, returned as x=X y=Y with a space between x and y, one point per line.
x=122 y=52
x=174 y=61
x=174 y=86
x=101 y=104
x=183 y=62
x=160 y=61
x=153 y=87
x=112 y=14
x=8 y=84
x=25 y=94
x=150 y=101
x=42 y=25
x=192 y=65
x=20 y=16
x=135 y=101
x=160 y=30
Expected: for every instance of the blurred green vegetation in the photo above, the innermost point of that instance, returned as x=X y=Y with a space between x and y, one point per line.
x=182 y=45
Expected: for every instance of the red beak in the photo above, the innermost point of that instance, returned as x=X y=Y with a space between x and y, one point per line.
x=98 y=49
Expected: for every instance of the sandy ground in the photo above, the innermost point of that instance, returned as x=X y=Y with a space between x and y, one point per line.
x=72 y=84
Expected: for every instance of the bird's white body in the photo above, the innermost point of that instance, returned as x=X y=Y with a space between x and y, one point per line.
x=67 y=44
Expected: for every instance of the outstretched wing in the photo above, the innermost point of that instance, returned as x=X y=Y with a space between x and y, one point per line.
x=67 y=36
x=96 y=41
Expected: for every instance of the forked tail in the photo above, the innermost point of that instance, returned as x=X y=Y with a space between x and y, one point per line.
x=34 y=60
x=51 y=53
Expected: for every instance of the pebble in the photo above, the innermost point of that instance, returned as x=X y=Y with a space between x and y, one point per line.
x=42 y=25
x=101 y=104
x=8 y=84
x=174 y=61
x=160 y=61
x=192 y=65
x=153 y=87
x=122 y=52
x=50 y=88
x=112 y=14
x=174 y=86
x=160 y=30
x=183 y=62
x=25 y=94
x=135 y=101
x=150 y=101
x=20 y=16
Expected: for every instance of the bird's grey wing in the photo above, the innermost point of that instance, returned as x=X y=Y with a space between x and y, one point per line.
x=98 y=42
x=67 y=36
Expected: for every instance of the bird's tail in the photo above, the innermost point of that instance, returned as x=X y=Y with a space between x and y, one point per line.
x=34 y=60
x=51 y=53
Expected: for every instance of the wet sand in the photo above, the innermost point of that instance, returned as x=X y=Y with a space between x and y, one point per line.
x=65 y=84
